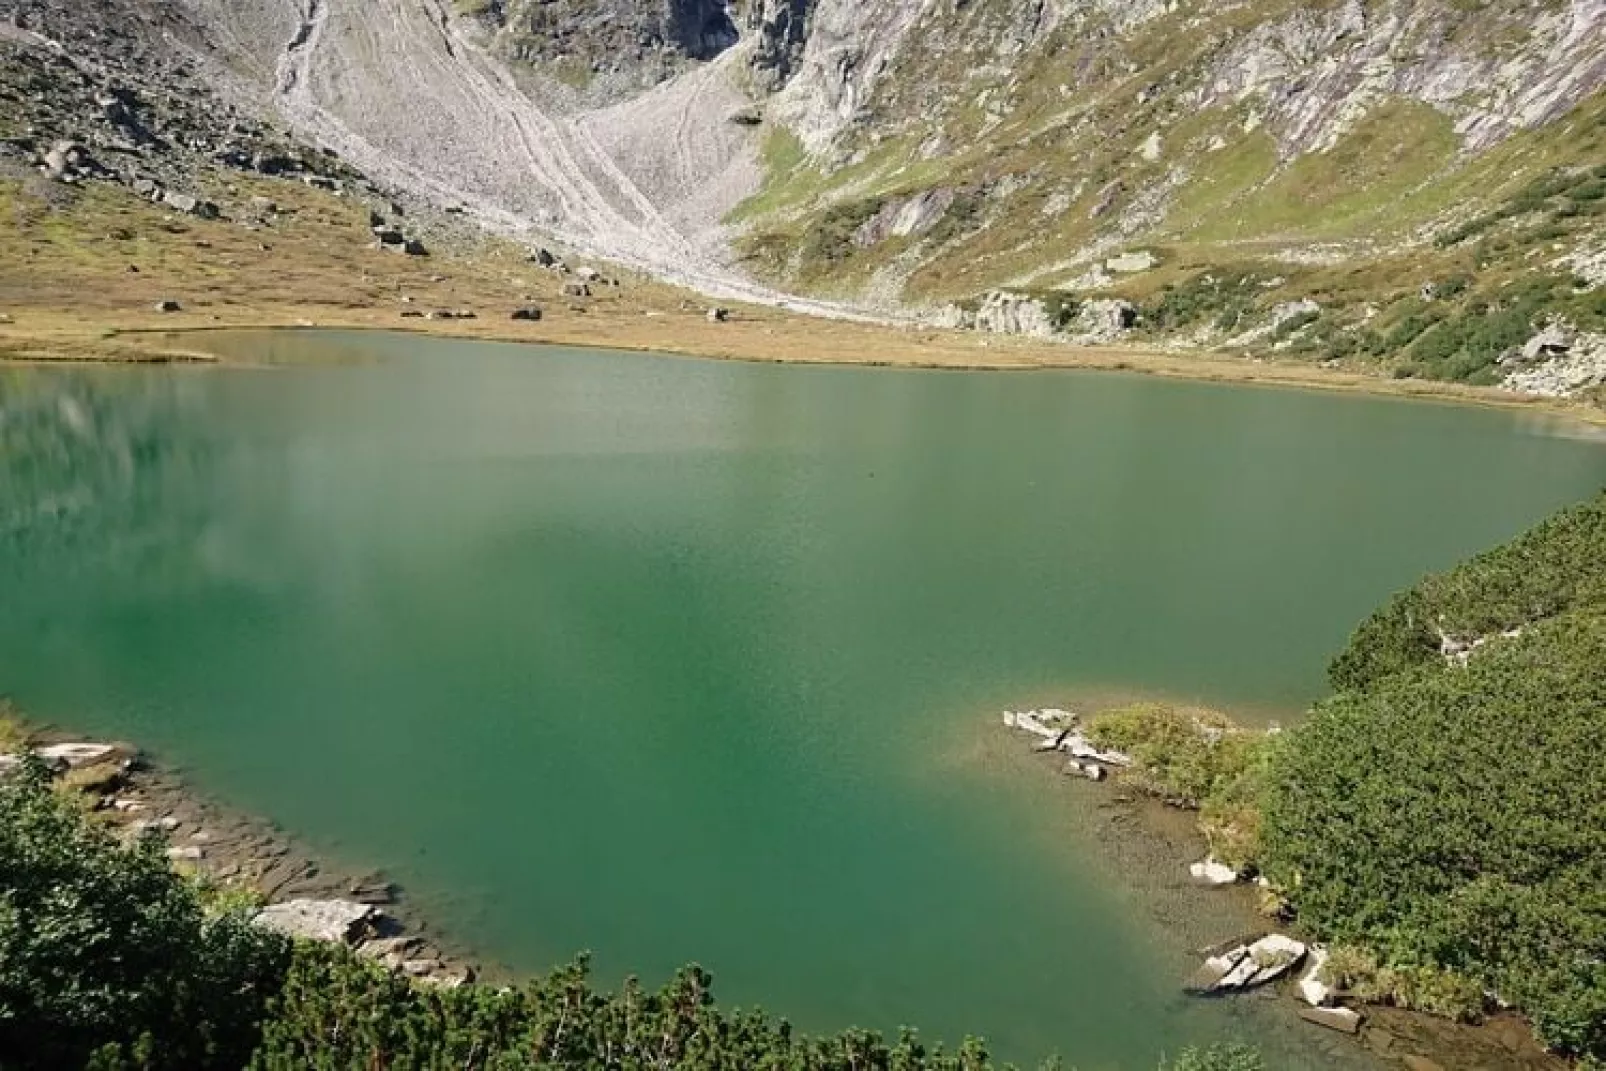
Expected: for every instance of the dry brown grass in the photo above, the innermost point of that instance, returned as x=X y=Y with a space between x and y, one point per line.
x=68 y=292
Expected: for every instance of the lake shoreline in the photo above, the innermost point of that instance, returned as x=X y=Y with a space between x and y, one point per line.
x=770 y=340
x=238 y=850
x=132 y=792
x=1150 y=829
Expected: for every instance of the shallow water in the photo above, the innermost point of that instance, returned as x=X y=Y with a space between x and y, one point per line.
x=674 y=660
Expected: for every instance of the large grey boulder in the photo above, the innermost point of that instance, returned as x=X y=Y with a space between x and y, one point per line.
x=337 y=921
x=190 y=204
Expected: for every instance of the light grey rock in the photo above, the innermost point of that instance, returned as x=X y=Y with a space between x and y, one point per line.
x=1313 y=989
x=1289 y=311
x=718 y=315
x=337 y=921
x=1246 y=964
x=84 y=754
x=904 y=216
x=1140 y=260
x=1104 y=320
x=1553 y=341
x=1210 y=872
x=1344 y=1020
x=1578 y=367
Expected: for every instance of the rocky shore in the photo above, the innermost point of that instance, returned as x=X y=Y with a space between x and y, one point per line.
x=1146 y=831
x=301 y=895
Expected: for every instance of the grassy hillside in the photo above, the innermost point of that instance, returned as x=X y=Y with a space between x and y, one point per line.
x=1054 y=149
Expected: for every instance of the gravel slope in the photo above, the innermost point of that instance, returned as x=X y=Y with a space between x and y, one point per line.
x=404 y=92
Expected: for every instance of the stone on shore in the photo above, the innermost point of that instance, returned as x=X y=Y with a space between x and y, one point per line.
x=76 y=755
x=1246 y=964
x=1211 y=872
x=1344 y=1020
x=1312 y=990
x=339 y=921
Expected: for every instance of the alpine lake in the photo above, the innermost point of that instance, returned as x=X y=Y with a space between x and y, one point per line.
x=679 y=660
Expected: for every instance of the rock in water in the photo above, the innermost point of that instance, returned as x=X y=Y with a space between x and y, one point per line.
x=340 y=921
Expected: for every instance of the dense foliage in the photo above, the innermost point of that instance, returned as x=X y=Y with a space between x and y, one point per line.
x=339 y=1012
x=108 y=958
x=1450 y=813
x=1556 y=567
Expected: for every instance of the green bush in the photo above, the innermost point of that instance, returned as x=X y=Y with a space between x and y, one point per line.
x=1231 y=1057
x=107 y=956
x=1559 y=565
x=1452 y=817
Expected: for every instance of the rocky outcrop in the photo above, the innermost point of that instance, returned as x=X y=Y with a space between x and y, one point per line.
x=1004 y=313
x=780 y=29
x=631 y=43
x=1557 y=362
x=902 y=217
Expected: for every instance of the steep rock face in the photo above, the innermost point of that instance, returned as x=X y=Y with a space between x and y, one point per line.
x=849 y=46
x=779 y=29
x=1494 y=68
x=1309 y=72
x=639 y=41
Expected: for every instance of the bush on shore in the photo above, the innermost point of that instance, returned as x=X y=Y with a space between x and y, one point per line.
x=1449 y=814
x=1195 y=759
x=108 y=958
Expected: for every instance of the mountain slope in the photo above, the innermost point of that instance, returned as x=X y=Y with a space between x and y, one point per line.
x=1255 y=156
x=1405 y=187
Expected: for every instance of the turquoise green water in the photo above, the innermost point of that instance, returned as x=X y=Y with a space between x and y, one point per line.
x=679 y=660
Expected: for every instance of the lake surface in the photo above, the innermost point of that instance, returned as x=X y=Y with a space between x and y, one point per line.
x=679 y=660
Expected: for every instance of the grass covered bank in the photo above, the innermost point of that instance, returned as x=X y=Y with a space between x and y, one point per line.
x=1441 y=818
